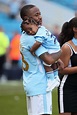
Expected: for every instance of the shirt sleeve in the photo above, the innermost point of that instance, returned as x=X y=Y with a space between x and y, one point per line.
x=39 y=38
x=40 y=50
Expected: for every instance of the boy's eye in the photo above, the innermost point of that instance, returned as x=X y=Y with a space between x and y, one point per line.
x=30 y=29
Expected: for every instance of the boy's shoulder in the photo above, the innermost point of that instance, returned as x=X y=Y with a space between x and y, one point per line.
x=42 y=31
x=42 y=28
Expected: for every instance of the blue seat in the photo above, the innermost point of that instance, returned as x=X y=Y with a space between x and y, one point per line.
x=9 y=25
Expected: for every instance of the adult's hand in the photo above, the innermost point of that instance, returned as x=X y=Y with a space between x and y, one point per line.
x=60 y=64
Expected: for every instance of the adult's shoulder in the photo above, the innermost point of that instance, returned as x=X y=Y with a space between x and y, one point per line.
x=27 y=37
x=66 y=48
x=26 y=40
x=66 y=45
x=41 y=31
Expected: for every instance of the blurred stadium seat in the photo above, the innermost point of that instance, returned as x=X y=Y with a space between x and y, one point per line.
x=9 y=25
x=72 y=4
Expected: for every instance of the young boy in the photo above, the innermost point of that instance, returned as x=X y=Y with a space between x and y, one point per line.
x=44 y=37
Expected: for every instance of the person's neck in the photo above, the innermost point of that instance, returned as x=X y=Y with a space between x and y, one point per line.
x=75 y=35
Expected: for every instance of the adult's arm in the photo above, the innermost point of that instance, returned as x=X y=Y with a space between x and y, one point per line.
x=65 y=57
x=50 y=58
x=46 y=57
x=41 y=51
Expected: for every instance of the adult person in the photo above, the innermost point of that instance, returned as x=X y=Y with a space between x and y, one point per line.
x=14 y=71
x=14 y=53
x=68 y=87
x=4 y=50
x=39 y=101
x=45 y=38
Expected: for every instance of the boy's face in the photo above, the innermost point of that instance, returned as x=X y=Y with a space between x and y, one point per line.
x=30 y=29
x=35 y=14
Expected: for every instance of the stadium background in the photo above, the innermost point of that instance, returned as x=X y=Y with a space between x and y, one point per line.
x=55 y=13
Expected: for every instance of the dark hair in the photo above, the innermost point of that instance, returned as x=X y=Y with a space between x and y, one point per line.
x=27 y=22
x=67 y=32
x=24 y=10
x=22 y=29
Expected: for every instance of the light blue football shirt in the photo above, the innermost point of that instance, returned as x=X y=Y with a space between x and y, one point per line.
x=34 y=78
x=48 y=40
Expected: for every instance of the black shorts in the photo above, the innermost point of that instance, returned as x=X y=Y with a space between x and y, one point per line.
x=67 y=94
x=2 y=61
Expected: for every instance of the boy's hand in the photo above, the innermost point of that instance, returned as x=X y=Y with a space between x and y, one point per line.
x=54 y=66
x=58 y=65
